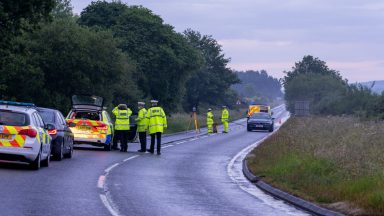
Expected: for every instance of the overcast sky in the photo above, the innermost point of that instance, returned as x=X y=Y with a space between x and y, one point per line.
x=274 y=34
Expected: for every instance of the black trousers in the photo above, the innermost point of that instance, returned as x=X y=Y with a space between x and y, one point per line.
x=143 y=140
x=122 y=136
x=158 y=137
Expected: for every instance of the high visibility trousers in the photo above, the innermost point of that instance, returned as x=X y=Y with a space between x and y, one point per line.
x=210 y=128
x=225 y=125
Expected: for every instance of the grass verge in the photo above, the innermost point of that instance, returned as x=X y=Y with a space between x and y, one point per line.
x=334 y=161
x=183 y=121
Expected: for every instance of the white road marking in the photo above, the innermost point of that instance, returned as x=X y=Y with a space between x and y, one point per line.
x=106 y=203
x=101 y=181
x=180 y=143
x=167 y=146
x=111 y=167
x=235 y=172
x=130 y=158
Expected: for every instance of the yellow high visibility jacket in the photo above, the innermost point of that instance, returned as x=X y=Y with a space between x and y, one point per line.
x=122 y=118
x=209 y=118
x=141 y=120
x=225 y=115
x=157 y=121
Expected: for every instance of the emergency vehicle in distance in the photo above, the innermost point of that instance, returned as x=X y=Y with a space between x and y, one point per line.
x=255 y=108
x=89 y=122
x=24 y=137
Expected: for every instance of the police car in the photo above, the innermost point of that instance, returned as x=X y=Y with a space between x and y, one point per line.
x=89 y=122
x=24 y=136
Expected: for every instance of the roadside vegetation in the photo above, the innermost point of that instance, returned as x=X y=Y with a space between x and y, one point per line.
x=335 y=155
x=335 y=161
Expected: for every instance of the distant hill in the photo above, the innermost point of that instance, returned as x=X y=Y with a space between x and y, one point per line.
x=258 y=85
x=378 y=87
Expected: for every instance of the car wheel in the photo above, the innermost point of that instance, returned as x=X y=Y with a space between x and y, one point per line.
x=108 y=147
x=59 y=155
x=248 y=129
x=36 y=164
x=271 y=129
x=47 y=161
x=70 y=153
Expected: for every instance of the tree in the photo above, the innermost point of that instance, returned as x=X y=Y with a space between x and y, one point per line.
x=63 y=9
x=164 y=58
x=211 y=84
x=62 y=59
x=312 y=80
x=258 y=84
x=16 y=14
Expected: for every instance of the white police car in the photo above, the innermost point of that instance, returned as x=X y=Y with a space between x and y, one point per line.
x=23 y=135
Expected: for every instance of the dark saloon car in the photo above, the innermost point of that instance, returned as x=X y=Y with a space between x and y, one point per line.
x=62 y=136
x=260 y=121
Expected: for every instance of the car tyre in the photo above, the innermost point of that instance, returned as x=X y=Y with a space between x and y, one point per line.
x=70 y=153
x=36 y=164
x=271 y=129
x=47 y=161
x=248 y=128
x=60 y=154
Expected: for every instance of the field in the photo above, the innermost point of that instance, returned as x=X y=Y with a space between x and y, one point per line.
x=337 y=162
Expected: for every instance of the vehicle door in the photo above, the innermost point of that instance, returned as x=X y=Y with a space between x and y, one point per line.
x=44 y=136
x=108 y=121
x=65 y=130
x=87 y=102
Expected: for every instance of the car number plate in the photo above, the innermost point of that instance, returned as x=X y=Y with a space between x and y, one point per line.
x=260 y=126
x=83 y=127
x=5 y=136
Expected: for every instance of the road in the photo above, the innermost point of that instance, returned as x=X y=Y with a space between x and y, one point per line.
x=189 y=178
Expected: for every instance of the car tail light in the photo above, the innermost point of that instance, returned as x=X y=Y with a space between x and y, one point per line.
x=52 y=132
x=28 y=132
x=102 y=127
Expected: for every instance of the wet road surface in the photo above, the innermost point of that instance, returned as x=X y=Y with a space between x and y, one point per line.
x=189 y=178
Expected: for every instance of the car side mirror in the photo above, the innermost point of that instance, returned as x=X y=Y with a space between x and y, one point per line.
x=49 y=127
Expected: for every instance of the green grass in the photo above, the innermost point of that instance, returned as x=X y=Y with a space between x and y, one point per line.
x=179 y=122
x=327 y=160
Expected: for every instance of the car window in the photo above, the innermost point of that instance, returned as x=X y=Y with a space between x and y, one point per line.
x=108 y=118
x=88 y=115
x=61 y=118
x=260 y=116
x=39 y=120
x=34 y=120
x=13 y=118
x=48 y=116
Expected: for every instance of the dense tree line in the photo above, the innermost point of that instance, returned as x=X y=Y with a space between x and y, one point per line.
x=328 y=93
x=123 y=53
x=258 y=86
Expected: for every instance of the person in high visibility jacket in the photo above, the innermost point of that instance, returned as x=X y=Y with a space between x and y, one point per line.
x=157 y=122
x=142 y=126
x=210 y=121
x=122 y=114
x=225 y=118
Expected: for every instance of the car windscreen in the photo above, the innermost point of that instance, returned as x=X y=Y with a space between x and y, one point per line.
x=260 y=116
x=88 y=115
x=48 y=116
x=13 y=118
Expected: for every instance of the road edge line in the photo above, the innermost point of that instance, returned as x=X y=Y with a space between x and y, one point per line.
x=277 y=193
